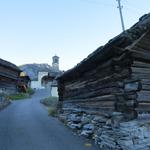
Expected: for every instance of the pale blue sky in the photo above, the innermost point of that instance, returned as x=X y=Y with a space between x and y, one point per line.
x=32 y=31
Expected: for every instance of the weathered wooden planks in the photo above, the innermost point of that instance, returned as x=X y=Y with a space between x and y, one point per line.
x=141 y=70
x=119 y=81
x=9 y=76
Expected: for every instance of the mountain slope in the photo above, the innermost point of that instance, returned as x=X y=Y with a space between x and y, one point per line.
x=32 y=69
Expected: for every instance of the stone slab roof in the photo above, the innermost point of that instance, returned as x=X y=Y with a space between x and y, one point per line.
x=9 y=65
x=103 y=53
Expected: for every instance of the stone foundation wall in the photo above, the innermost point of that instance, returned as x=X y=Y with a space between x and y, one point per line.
x=3 y=102
x=110 y=132
x=8 y=91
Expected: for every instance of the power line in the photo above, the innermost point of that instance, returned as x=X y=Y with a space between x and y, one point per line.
x=98 y=3
x=121 y=16
x=132 y=7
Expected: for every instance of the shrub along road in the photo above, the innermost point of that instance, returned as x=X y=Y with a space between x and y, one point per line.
x=25 y=125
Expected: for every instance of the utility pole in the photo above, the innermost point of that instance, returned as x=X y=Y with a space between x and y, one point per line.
x=121 y=16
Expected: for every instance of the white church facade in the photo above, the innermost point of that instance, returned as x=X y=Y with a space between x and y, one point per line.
x=48 y=79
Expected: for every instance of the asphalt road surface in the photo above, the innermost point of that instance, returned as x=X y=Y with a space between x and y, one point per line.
x=25 y=125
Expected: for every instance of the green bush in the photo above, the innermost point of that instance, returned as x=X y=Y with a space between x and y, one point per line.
x=30 y=91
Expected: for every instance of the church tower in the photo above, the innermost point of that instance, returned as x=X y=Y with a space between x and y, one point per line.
x=55 y=63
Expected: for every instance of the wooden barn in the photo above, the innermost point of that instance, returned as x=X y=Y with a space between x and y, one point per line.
x=115 y=77
x=9 y=75
x=24 y=82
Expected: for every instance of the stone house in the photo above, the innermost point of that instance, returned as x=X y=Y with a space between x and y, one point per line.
x=115 y=77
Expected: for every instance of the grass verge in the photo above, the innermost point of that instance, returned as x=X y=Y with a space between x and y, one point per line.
x=30 y=91
x=52 y=111
x=20 y=96
x=51 y=103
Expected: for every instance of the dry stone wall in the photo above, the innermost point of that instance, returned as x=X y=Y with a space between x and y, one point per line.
x=110 y=132
x=3 y=102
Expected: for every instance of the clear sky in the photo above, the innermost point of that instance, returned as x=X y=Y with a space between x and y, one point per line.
x=32 y=31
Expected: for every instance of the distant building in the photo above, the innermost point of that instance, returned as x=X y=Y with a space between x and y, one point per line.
x=46 y=79
x=9 y=75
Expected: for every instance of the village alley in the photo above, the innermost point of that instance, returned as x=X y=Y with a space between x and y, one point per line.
x=25 y=125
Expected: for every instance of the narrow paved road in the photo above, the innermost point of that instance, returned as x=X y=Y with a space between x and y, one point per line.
x=25 y=125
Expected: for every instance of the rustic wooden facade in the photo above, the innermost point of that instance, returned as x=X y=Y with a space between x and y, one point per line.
x=115 y=77
x=9 y=75
x=24 y=83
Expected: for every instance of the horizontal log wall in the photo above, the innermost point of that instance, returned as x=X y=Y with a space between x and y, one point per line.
x=141 y=71
x=8 y=80
x=119 y=83
x=7 y=85
x=9 y=73
x=104 y=88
